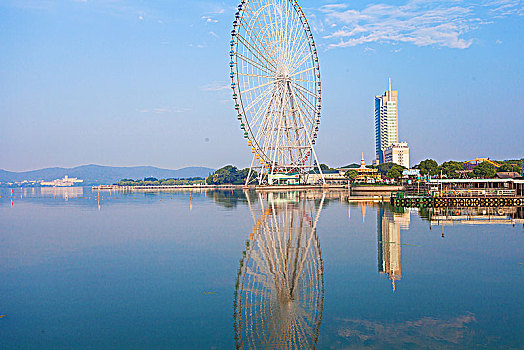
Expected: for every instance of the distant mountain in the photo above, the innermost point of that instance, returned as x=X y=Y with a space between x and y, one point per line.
x=98 y=174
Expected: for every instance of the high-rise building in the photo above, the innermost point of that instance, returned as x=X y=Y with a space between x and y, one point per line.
x=386 y=122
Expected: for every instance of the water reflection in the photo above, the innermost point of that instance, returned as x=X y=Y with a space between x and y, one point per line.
x=63 y=192
x=280 y=285
x=475 y=215
x=388 y=242
x=423 y=333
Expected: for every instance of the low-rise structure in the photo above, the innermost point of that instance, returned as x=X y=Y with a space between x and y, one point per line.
x=397 y=153
x=476 y=187
x=368 y=175
x=332 y=177
x=65 y=182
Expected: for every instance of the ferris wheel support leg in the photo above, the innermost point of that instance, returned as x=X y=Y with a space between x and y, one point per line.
x=318 y=164
x=277 y=149
x=311 y=145
x=250 y=170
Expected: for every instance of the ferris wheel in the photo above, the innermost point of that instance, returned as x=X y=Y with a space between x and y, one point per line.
x=275 y=77
x=279 y=294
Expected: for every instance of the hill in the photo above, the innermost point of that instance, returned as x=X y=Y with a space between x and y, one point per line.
x=98 y=174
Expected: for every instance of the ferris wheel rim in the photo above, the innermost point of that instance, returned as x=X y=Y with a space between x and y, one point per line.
x=239 y=95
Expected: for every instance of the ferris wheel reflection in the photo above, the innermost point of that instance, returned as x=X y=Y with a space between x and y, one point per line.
x=280 y=284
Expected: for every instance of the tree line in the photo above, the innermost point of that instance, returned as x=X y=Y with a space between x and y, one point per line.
x=152 y=181
x=453 y=169
x=230 y=174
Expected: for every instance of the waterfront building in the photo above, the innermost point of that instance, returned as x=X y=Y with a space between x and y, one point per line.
x=397 y=153
x=368 y=175
x=386 y=122
x=65 y=182
x=332 y=177
x=476 y=187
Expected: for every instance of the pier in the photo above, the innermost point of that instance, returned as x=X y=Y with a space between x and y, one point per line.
x=463 y=193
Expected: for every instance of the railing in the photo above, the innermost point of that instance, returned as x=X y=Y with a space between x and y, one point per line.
x=474 y=193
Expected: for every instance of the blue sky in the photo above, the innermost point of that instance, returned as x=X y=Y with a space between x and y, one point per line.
x=129 y=82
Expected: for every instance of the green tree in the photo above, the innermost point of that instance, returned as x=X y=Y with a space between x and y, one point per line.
x=507 y=167
x=169 y=182
x=242 y=176
x=229 y=175
x=351 y=174
x=395 y=172
x=484 y=170
x=428 y=166
x=450 y=168
x=225 y=175
x=325 y=167
x=384 y=168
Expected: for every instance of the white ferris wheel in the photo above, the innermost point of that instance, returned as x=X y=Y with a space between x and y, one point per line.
x=275 y=78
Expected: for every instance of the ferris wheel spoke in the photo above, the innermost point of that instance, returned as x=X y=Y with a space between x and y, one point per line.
x=257 y=76
x=256 y=52
x=301 y=60
x=265 y=110
x=258 y=87
x=304 y=107
x=298 y=45
x=303 y=81
x=302 y=71
x=262 y=111
x=254 y=64
x=255 y=33
x=267 y=132
x=306 y=130
x=257 y=100
x=304 y=103
x=303 y=120
x=306 y=91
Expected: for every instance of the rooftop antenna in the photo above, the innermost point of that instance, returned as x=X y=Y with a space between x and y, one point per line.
x=389 y=95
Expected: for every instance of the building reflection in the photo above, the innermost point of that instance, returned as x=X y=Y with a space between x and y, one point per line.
x=475 y=215
x=64 y=192
x=280 y=284
x=422 y=333
x=389 y=225
x=390 y=222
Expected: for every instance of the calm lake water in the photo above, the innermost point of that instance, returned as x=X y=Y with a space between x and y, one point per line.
x=226 y=270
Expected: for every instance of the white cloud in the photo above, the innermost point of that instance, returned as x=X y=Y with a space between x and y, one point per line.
x=218 y=11
x=209 y=19
x=165 y=110
x=419 y=22
x=215 y=86
x=213 y=34
x=504 y=8
x=198 y=46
